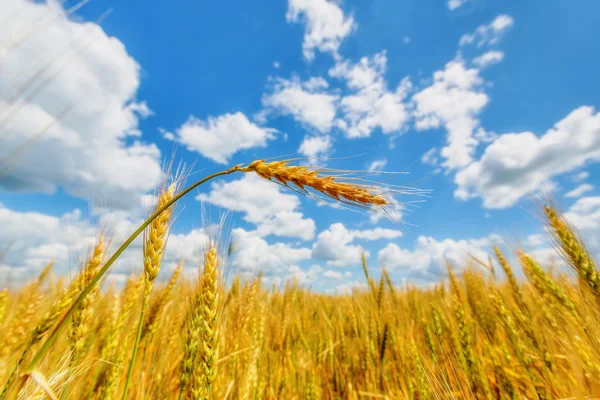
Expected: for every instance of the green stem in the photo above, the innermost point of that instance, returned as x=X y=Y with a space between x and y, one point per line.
x=138 y=336
x=54 y=335
x=13 y=373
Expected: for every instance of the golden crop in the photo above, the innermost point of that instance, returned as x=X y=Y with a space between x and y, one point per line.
x=484 y=334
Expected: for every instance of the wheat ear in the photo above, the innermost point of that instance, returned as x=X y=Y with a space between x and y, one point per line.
x=3 y=302
x=574 y=250
x=347 y=190
x=156 y=308
x=209 y=317
x=154 y=247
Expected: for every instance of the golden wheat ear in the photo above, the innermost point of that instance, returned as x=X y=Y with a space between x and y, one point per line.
x=340 y=186
x=573 y=250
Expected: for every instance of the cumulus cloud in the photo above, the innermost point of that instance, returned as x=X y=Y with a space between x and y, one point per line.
x=454 y=101
x=326 y=26
x=301 y=276
x=66 y=112
x=308 y=102
x=377 y=165
x=335 y=244
x=376 y=234
x=427 y=259
x=371 y=105
x=489 y=58
x=395 y=213
x=454 y=4
x=34 y=239
x=337 y=275
x=348 y=287
x=254 y=254
x=488 y=34
x=430 y=157
x=516 y=164
x=315 y=146
x=579 y=190
x=263 y=204
x=581 y=176
x=585 y=213
x=219 y=138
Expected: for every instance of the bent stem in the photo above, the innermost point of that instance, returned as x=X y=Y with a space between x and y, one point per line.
x=54 y=335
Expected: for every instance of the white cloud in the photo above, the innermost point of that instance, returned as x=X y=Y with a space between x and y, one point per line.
x=517 y=164
x=189 y=245
x=395 y=213
x=254 y=254
x=535 y=240
x=303 y=277
x=315 y=146
x=488 y=34
x=326 y=25
x=74 y=113
x=489 y=58
x=35 y=239
x=337 y=275
x=376 y=234
x=454 y=100
x=264 y=204
x=484 y=136
x=585 y=214
x=454 y=4
x=580 y=190
x=348 y=287
x=334 y=245
x=430 y=157
x=276 y=64
x=427 y=259
x=581 y=176
x=218 y=138
x=406 y=39
x=308 y=102
x=371 y=105
x=377 y=165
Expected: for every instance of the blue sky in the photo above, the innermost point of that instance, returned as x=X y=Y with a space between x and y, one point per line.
x=490 y=104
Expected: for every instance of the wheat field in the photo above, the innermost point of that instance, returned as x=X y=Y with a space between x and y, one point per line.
x=507 y=327
x=485 y=333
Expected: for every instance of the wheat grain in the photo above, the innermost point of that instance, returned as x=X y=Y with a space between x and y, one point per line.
x=574 y=250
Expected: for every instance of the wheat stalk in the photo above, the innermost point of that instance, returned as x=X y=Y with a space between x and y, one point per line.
x=83 y=314
x=156 y=308
x=154 y=247
x=333 y=184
